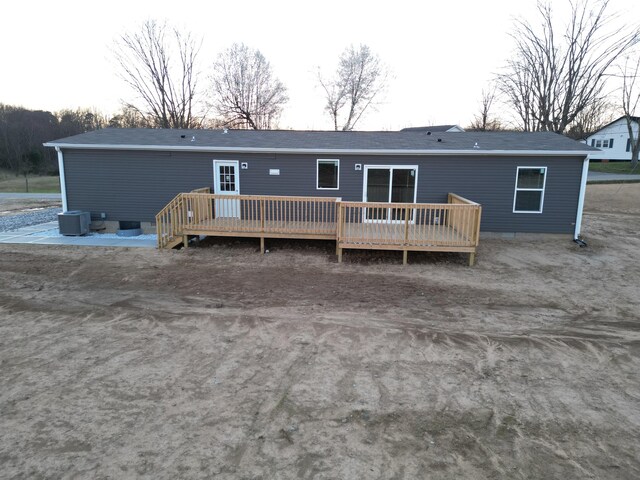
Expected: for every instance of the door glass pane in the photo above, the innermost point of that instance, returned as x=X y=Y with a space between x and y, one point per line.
x=221 y=178
x=403 y=183
x=377 y=191
x=231 y=178
x=227 y=178
x=378 y=184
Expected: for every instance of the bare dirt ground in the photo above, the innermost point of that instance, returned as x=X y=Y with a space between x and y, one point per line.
x=219 y=362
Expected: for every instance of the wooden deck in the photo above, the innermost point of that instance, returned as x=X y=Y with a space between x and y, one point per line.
x=449 y=227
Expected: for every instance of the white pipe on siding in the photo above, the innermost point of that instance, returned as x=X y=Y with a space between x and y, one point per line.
x=63 y=184
x=583 y=189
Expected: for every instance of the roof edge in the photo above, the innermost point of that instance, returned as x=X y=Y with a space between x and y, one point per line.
x=633 y=119
x=319 y=151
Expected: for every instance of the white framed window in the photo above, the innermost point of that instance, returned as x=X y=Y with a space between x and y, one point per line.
x=529 y=192
x=328 y=174
x=598 y=143
x=605 y=143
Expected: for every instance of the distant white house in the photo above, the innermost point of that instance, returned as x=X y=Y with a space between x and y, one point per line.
x=613 y=140
x=435 y=129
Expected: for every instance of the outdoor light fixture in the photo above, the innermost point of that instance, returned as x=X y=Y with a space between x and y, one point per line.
x=244 y=165
x=358 y=166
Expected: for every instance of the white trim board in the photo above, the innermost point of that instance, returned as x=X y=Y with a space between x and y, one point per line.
x=63 y=180
x=583 y=189
x=324 y=151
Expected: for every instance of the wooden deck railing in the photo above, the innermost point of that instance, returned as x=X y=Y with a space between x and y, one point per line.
x=452 y=226
x=246 y=215
x=448 y=227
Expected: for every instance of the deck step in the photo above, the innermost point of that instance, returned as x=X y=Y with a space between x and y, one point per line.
x=173 y=243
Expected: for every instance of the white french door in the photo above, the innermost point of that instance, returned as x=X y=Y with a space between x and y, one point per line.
x=226 y=182
x=389 y=184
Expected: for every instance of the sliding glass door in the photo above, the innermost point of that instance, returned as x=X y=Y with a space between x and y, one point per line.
x=389 y=184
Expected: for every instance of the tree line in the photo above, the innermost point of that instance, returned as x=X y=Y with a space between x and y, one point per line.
x=23 y=131
x=570 y=78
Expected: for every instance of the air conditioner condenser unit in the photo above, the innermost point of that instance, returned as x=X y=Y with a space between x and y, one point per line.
x=74 y=222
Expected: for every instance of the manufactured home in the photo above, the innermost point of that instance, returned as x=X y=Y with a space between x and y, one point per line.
x=408 y=190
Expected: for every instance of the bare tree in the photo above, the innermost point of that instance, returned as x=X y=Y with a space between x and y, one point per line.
x=246 y=93
x=167 y=86
x=358 y=81
x=554 y=73
x=484 y=121
x=631 y=108
x=592 y=118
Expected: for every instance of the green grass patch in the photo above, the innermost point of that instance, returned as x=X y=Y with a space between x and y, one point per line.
x=613 y=167
x=37 y=184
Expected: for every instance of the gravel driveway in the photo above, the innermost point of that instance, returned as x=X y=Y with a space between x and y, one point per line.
x=13 y=222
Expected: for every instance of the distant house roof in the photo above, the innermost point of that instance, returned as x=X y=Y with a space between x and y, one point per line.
x=434 y=129
x=635 y=119
x=326 y=142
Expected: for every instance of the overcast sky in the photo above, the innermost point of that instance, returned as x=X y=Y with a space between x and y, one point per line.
x=57 y=55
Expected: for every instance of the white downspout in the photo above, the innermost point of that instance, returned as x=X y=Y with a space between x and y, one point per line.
x=63 y=184
x=583 y=189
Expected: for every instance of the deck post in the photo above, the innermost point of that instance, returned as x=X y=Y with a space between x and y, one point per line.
x=262 y=245
x=406 y=226
x=477 y=225
x=185 y=240
x=338 y=227
x=405 y=257
x=472 y=259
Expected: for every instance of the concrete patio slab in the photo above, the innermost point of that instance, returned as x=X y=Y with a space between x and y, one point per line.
x=42 y=235
x=21 y=239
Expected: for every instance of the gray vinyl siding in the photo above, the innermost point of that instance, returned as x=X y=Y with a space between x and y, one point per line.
x=135 y=185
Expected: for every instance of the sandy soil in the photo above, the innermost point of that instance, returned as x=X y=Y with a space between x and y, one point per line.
x=217 y=361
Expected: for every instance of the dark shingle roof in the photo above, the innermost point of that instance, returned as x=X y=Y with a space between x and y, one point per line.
x=283 y=140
